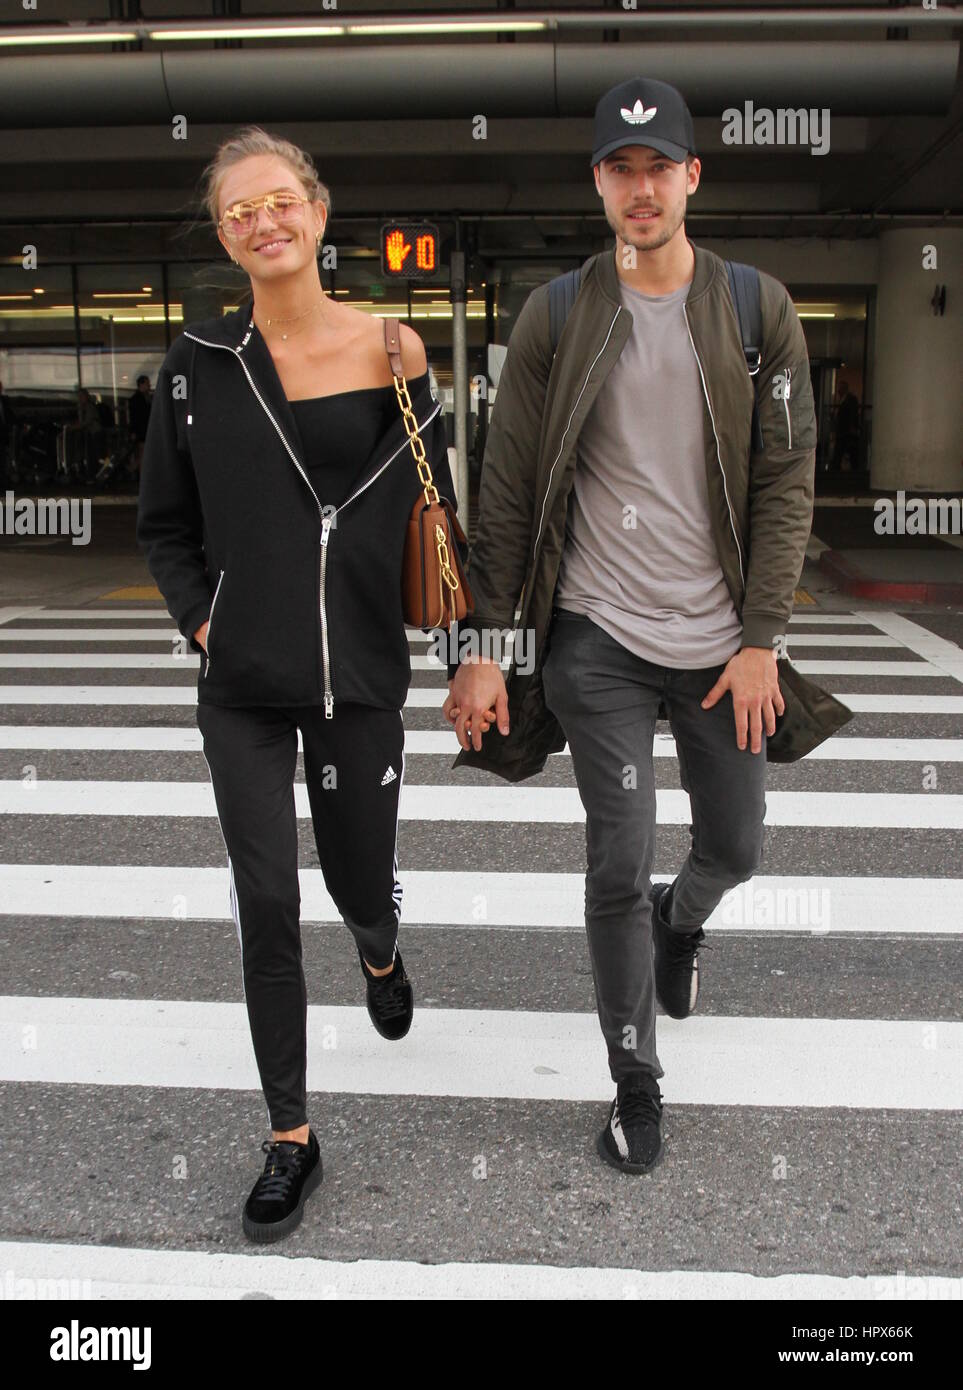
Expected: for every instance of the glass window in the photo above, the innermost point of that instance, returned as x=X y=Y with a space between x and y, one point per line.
x=203 y=290
x=122 y=330
x=38 y=349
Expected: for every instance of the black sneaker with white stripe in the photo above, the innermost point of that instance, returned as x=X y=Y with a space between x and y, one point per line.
x=632 y=1139
x=291 y=1173
x=391 y=1004
x=676 y=958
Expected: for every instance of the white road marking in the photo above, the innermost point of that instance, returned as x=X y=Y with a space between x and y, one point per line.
x=127 y=1272
x=487 y=1052
x=190 y=660
x=946 y=656
x=505 y=804
x=419 y=697
x=436 y=898
x=187 y=739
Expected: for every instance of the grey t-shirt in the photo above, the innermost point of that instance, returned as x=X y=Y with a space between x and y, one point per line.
x=638 y=555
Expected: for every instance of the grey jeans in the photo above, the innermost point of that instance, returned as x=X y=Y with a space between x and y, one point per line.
x=606 y=700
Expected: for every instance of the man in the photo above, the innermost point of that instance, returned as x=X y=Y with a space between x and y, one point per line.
x=657 y=562
x=8 y=420
x=847 y=426
x=88 y=432
x=138 y=418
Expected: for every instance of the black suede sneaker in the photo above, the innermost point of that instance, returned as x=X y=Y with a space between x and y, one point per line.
x=291 y=1173
x=632 y=1139
x=391 y=1002
x=676 y=958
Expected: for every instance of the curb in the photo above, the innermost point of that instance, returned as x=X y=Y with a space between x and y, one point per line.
x=853 y=581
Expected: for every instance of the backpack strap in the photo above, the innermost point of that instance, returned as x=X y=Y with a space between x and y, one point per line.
x=744 y=287
x=562 y=291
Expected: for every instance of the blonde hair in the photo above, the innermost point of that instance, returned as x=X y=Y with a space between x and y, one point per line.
x=253 y=140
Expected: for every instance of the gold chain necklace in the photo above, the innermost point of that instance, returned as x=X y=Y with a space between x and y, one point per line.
x=295 y=317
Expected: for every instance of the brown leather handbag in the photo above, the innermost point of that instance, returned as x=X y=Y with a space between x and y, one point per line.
x=434 y=589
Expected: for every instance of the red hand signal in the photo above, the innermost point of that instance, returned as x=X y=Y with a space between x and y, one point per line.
x=396 y=249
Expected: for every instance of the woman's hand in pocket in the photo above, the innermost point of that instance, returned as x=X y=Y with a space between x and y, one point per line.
x=201 y=636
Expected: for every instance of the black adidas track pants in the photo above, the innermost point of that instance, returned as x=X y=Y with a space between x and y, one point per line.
x=354 y=768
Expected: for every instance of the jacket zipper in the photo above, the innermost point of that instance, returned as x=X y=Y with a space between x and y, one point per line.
x=785 y=401
x=715 y=434
x=210 y=619
x=327 y=521
x=551 y=472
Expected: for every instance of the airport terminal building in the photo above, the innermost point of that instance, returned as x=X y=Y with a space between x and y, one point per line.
x=829 y=141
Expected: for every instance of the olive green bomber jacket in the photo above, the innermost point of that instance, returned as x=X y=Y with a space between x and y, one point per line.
x=760 y=504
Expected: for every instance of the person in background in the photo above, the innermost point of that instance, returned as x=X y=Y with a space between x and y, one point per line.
x=138 y=415
x=86 y=426
x=8 y=421
x=847 y=426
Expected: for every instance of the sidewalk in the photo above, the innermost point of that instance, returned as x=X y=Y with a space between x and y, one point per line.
x=891 y=568
x=846 y=558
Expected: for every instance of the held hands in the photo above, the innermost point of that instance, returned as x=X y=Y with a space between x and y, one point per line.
x=201 y=636
x=476 y=699
x=752 y=677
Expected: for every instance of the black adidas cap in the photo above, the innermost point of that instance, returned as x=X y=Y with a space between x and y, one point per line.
x=643 y=111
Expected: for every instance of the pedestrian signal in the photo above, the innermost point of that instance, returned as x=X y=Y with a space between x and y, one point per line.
x=409 y=251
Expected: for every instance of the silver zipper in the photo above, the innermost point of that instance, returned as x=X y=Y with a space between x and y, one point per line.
x=328 y=694
x=785 y=401
x=326 y=521
x=210 y=619
x=725 y=486
x=551 y=474
x=565 y=432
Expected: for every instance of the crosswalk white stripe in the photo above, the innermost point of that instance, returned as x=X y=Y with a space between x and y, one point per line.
x=170 y=635
x=189 y=661
x=98 y=634
x=902 y=750
x=546 y=901
x=61 y=615
x=160 y=613
x=945 y=656
x=510 y=1054
x=834 y=619
x=441 y=743
x=125 y=1273
x=419 y=697
x=866 y=703
x=556 y=805
x=9 y=615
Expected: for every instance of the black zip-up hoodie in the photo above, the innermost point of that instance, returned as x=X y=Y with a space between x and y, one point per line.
x=303 y=599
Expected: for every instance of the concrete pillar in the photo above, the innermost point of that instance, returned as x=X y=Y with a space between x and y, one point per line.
x=917 y=439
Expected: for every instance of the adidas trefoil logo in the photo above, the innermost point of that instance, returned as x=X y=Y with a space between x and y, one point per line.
x=390 y=776
x=639 y=114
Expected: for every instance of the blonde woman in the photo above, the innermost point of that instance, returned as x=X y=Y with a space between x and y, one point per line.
x=277 y=481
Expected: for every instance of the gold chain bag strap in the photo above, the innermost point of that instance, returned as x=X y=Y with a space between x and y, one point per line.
x=434 y=589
